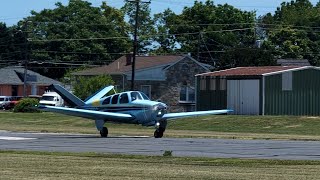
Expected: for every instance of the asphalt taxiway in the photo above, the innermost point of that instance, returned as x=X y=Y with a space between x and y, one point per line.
x=199 y=147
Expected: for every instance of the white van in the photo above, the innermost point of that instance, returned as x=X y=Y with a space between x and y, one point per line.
x=4 y=101
x=51 y=99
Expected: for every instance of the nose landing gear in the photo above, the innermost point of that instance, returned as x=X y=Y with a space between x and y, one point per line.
x=158 y=133
x=160 y=128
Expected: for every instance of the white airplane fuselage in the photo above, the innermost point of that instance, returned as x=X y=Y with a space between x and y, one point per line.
x=144 y=112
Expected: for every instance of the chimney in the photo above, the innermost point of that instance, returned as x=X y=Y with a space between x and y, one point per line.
x=129 y=59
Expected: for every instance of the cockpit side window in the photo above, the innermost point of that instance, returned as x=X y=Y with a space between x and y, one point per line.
x=135 y=96
x=115 y=99
x=106 y=101
x=145 y=97
x=124 y=98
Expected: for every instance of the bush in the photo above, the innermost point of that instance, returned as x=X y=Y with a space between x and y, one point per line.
x=86 y=86
x=27 y=105
x=167 y=154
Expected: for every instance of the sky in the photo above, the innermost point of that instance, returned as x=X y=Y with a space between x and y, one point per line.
x=11 y=11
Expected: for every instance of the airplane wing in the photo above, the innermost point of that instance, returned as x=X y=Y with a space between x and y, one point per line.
x=91 y=114
x=196 y=113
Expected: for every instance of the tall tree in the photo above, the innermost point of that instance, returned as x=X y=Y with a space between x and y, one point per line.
x=207 y=30
x=5 y=39
x=78 y=32
x=165 y=42
x=11 y=45
x=292 y=32
x=145 y=24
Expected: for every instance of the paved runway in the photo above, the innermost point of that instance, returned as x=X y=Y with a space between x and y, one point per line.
x=218 y=148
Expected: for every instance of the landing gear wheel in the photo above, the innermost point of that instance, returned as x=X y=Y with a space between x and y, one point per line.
x=104 y=132
x=158 y=133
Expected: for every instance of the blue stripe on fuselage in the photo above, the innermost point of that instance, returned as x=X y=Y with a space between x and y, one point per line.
x=115 y=109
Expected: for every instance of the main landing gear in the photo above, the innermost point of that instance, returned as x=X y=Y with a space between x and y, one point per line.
x=104 y=132
x=100 y=126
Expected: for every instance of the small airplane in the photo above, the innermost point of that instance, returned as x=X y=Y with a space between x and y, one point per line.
x=132 y=107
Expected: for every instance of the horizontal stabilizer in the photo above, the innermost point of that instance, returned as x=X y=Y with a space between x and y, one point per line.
x=196 y=113
x=68 y=97
x=99 y=94
x=90 y=114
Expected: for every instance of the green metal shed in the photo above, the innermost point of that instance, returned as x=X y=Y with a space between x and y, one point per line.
x=266 y=90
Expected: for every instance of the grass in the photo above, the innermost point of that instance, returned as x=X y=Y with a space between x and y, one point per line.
x=46 y=165
x=220 y=126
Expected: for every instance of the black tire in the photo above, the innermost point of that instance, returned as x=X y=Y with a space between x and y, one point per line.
x=104 y=132
x=158 y=133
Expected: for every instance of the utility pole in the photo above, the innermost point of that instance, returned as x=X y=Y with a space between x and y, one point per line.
x=198 y=51
x=135 y=40
x=25 y=58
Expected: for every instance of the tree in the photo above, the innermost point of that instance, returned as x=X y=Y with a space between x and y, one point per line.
x=77 y=33
x=87 y=86
x=166 y=43
x=206 y=30
x=292 y=32
x=246 y=57
x=5 y=39
x=145 y=24
x=12 y=45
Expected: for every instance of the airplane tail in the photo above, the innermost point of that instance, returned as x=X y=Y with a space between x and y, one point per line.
x=68 y=97
x=98 y=95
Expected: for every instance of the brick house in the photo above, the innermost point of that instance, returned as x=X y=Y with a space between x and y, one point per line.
x=169 y=79
x=12 y=82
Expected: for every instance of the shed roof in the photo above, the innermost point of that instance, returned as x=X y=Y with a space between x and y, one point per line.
x=15 y=75
x=253 y=71
x=120 y=66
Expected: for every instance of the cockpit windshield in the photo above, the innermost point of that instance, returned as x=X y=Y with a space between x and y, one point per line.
x=135 y=96
x=145 y=97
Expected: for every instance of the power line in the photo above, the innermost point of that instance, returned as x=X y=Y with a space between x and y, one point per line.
x=80 y=39
x=76 y=52
x=145 y=36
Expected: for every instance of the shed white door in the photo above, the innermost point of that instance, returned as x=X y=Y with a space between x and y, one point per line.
x=243 y=96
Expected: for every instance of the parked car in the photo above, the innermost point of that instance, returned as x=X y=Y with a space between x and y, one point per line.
x=4 y=101
x=13 y=102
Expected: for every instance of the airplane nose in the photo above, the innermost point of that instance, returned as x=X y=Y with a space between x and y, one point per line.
x=160 y=110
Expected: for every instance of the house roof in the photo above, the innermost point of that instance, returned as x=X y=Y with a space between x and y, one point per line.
x=120 y=66
x=252 y=71
x=15 y=76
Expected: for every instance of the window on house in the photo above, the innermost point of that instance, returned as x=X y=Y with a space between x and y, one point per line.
x=203 y=84
x=146 y=89
x=213 y=84
x=185 y=67
x=187 y=94
x=223 y=84
x=287 y=81
x=14 y=90
x=117 y=87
